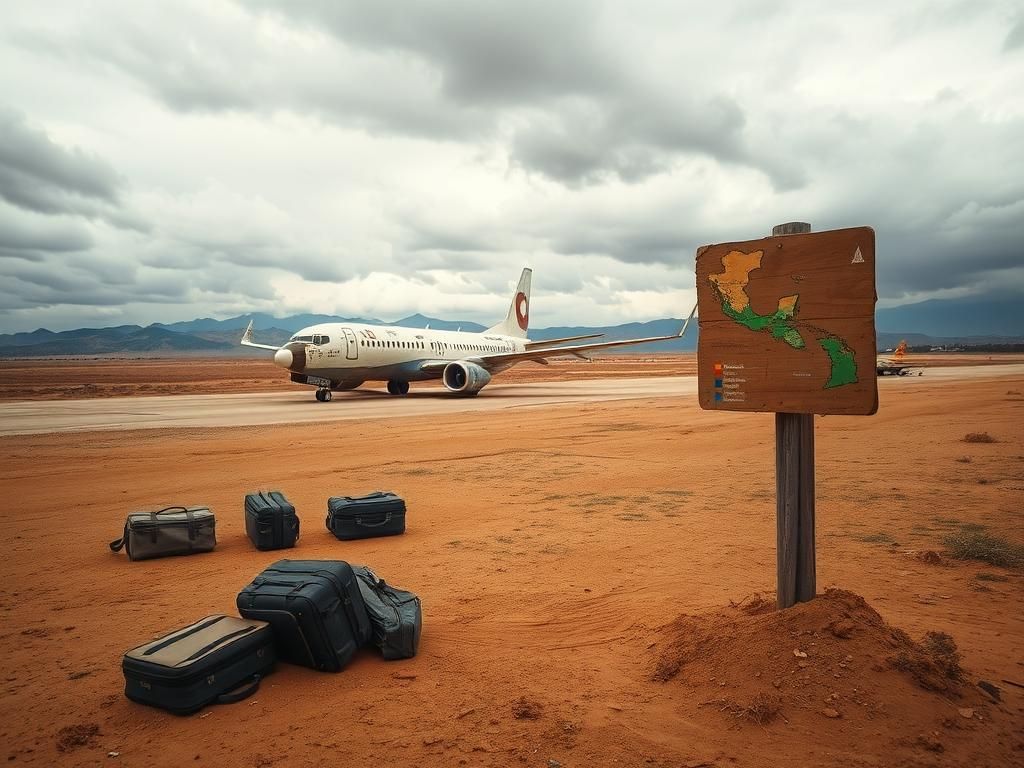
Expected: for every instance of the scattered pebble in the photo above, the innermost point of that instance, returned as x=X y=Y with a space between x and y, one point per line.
x=967 y=712
x=831 y=713
x=799 y=654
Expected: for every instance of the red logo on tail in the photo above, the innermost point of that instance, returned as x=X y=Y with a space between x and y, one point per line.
x=522 y=310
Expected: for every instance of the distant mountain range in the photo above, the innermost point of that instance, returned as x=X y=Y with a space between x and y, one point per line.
x=939 y=321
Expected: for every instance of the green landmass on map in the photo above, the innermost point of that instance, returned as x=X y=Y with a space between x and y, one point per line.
x=779 y=324
x=730 y=286
x=844 y=364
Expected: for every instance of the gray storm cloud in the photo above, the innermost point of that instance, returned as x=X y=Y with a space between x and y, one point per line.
x=252 y=155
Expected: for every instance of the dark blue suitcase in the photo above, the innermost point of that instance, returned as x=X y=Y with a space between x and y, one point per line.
x=270 y=520
x=315 y=609
x=381 y=513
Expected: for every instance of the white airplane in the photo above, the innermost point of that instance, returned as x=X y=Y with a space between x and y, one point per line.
x=341 y=356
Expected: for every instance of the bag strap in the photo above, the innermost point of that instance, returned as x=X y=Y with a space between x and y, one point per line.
x=118 y=544
x=240 y=693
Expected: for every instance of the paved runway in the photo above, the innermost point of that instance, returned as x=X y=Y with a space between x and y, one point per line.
x=42 y=416
x=114 y=413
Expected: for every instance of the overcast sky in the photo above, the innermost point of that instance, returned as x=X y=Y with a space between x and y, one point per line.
x=161 y=161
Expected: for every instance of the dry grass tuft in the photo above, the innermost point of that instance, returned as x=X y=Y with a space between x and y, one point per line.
x=984 y=547
x=763 y=708
x=979 y=437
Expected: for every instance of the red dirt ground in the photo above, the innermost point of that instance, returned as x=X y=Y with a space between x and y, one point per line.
x=554 y=549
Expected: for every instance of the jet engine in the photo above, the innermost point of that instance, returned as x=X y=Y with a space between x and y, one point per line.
x=465 y=378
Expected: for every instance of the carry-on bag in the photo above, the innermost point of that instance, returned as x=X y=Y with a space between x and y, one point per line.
x=395 y=615
x=219 y=659
x=270 y=520
x=169 y=531
x=315 y=608
x=381 y=513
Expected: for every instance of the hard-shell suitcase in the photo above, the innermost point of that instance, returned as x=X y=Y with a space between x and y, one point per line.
x=315 y=608
x=270 y=520
x=395 y=615
x=381 y=513
x=169 y=531
x=219 y=659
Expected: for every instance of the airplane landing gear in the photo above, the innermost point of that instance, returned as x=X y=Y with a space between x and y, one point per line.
x=398 y=387
x=323 y=395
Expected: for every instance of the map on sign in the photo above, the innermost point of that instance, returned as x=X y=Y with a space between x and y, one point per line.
x=782 y=324
x=787 y=324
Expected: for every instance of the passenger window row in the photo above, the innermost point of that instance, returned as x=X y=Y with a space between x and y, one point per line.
x=436 y=346
x=391 y=344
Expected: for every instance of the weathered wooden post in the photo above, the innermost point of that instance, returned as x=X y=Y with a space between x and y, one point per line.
x=794 y=492
x=787 y=325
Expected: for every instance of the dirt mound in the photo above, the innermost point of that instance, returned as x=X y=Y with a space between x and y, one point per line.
x=832 y=659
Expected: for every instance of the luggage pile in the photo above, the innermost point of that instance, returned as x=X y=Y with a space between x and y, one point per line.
x=313 y=613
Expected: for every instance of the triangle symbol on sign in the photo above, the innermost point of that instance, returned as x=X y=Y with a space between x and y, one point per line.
x=858 y=257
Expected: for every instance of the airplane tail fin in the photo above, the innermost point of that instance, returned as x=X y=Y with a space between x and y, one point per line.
x=517 y=321
x=901 y=350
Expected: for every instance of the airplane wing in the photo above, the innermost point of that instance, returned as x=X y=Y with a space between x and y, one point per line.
x=552 y=342
x=247 y=341
x=504 y=358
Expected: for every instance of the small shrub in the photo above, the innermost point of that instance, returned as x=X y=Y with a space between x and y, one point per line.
x=984 y=547
x=979 y=437
x=942 y=649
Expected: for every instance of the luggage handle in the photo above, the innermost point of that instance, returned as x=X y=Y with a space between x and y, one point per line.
x=190 y=520
x=385 y=521
x=171 y=509
x=374 y=495
x=238 y=694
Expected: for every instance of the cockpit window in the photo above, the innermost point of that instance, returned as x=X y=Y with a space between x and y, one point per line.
x=302 y=338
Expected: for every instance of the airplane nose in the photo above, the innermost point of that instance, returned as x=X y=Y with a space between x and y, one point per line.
x=283 y=358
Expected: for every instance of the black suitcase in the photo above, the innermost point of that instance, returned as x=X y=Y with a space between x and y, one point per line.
x=315 y=609
x=270 y=520
x=219 y=659
x=381 y=513
x=395 y=615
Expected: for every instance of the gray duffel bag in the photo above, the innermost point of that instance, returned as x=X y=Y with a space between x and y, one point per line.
x=169 y=531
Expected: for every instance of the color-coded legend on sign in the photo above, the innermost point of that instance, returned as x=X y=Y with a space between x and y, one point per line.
x=729 y=383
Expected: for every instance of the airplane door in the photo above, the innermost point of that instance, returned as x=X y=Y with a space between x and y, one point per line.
x=351 y=345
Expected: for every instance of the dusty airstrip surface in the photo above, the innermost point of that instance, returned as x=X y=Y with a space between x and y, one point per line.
x=555 y=548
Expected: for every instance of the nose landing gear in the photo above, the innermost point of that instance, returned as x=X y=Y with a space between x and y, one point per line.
x=323 y=395
x=398 y=387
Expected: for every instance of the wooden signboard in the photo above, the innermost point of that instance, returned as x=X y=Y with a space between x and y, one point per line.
x=787 y=324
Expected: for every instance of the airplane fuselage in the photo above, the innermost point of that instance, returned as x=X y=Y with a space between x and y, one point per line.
x=347 y=354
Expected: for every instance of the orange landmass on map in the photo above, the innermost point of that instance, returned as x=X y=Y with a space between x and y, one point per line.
x=732 y=282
